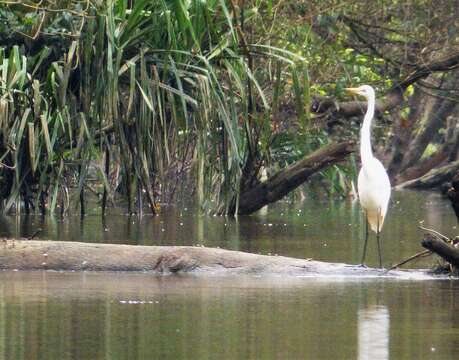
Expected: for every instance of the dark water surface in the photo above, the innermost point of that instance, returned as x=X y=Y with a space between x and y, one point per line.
x=52 y=315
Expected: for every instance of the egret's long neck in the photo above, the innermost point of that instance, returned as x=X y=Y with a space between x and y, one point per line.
x=365 y=133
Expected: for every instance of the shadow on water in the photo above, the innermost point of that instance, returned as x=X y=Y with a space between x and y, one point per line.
x=52 y=315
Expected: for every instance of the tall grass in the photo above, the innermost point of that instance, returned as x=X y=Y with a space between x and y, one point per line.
x=138 y=95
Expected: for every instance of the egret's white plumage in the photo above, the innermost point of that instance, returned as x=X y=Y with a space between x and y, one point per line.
x=374 y=193
x=373 y=183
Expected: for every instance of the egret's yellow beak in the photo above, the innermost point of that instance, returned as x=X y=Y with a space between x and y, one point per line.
x=352 y=90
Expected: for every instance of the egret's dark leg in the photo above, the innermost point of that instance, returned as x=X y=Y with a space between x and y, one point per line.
x=379 y=246
x=366 y=239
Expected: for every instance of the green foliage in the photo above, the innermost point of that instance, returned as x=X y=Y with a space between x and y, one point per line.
x=152 y=88
x=138 y=95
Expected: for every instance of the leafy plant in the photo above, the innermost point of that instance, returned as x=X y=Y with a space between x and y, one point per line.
x=143 y=93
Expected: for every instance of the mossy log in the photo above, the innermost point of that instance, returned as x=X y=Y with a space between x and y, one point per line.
x=77 y=256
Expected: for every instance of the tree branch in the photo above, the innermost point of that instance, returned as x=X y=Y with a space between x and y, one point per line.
x=288 y=179
x=433 y=178
x=394 y=96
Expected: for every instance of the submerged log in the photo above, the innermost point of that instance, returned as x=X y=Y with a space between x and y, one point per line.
x=76 y=256
x=441 y=248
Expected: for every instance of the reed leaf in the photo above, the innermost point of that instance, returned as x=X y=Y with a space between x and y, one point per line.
x=160 y=85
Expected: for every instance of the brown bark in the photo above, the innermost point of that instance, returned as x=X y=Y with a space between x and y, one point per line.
x=402 y=130
x=436 y=120
x=441 y=248
x=446 y=153
x=75 y=256
x=288 y=179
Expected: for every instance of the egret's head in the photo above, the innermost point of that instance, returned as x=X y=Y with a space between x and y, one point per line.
x=364 y=90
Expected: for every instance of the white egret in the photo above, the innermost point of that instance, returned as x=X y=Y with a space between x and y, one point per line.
x=373 y=184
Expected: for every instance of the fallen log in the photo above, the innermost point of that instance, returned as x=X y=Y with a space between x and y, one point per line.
x=77 y=256
x=435 y=177
x=441 y=248
x=288 y=179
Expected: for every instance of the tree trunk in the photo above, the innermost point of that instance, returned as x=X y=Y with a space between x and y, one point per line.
x=403 y=129
x=446 y=153
x=288 y=179
x=76 y=256
x=451 y=146
x=435 y=119
x=453 y=195
x=434 y=123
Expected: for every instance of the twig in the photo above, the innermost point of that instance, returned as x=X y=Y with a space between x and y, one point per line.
x=7 y=166
x=422 y=253
x=415 y=256
x=34 y=234
x=37 y=8
x=432 y=231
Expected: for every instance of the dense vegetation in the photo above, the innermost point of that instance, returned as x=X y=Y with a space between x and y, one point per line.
x=141 y=100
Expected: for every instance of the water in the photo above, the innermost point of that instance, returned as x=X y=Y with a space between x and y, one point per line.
x=52 y=315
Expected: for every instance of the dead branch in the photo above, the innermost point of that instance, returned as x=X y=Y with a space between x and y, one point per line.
x=433 y=178
x=394 y=96
x=411 y=258
x=288 y=179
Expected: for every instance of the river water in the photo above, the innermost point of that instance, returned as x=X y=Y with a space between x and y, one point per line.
x=54 y=315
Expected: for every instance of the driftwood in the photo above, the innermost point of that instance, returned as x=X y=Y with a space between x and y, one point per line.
x=76 y=256
x=435 y=177
x=286 y=180
x=441 y=248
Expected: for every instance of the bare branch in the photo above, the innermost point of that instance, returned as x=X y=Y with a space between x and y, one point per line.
x=394 y=96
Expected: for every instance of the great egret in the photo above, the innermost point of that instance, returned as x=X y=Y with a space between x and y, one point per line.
x=373 y=183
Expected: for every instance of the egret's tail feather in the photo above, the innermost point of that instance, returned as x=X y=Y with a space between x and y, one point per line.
x=375 y=220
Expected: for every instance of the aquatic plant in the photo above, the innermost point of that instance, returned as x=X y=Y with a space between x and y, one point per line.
x=136 y=95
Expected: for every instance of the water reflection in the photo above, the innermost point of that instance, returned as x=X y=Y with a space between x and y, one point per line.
x=48 y=315
x=374 y=333
x=57 y=316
